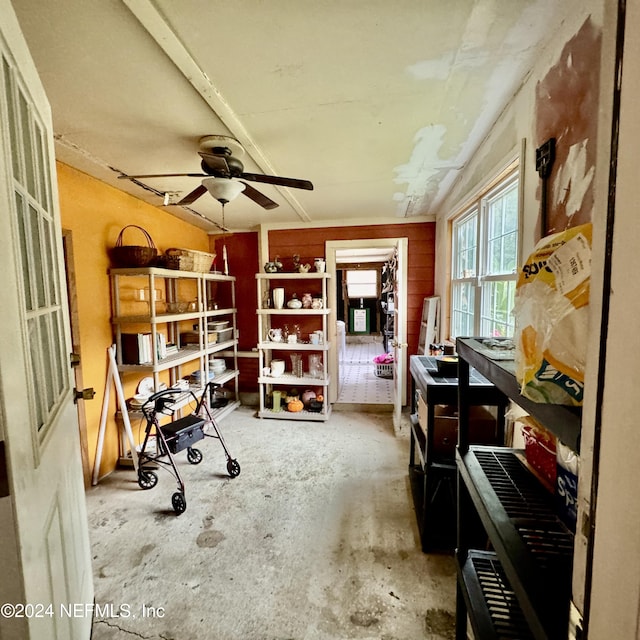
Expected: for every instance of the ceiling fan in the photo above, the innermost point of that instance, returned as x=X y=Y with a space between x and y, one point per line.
x=224 y=175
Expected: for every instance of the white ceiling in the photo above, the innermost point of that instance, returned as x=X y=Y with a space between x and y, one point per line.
x=378 y=103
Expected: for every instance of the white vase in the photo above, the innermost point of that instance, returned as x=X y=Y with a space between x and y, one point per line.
x=278 y=298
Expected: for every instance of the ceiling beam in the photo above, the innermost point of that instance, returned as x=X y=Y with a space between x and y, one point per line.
x=155 y=24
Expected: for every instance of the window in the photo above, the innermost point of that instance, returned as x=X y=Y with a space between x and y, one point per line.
x=362 y=284
x=485 y=263
x=46 y=345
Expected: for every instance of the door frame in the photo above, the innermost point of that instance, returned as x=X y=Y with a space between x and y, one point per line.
x=401 y=244
x=72 y=298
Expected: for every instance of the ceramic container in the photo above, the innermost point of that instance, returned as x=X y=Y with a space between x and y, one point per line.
x=277 y=401
x=278 y=298
x=277 y=368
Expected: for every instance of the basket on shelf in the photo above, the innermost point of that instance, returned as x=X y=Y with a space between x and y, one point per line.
x=191 y=260
x=133 y=255
x=170 y=262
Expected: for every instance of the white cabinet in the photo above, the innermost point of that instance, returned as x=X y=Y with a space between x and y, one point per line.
x=312 y=374
x=164 y=321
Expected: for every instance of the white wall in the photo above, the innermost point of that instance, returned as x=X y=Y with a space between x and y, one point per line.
x=616 y=562
x=513 y=131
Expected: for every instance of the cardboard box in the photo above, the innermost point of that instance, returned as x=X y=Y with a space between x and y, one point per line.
x=482 y=427
x=193 y=337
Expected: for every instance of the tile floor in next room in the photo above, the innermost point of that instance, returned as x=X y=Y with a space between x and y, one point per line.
x=359 y=383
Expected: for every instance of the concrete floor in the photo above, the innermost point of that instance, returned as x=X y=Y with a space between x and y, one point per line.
x=315 y=540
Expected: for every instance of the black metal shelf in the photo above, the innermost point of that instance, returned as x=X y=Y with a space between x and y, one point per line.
x=534 y=546
x=496 y=612
x=562 y=421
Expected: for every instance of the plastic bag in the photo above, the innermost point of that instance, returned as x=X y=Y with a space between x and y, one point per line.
x=551 y=313
x=568 y=468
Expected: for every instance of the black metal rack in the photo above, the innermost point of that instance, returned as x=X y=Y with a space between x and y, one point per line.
x=432 y=474
x=488 y=593
x=563 y=421
x=522 y=587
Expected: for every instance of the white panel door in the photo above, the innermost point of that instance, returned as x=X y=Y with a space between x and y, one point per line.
x=44 y=525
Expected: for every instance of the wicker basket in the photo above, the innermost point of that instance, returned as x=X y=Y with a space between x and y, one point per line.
x=168 y=262
x=177 y=259
x=133 y=255
x=191 y=260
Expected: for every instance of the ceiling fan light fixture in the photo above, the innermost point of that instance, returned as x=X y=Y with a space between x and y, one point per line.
x=223 y=189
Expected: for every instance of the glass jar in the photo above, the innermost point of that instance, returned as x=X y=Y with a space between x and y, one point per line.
x=315 y=366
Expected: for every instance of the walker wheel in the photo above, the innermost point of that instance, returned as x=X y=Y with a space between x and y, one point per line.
x=194 y=456
x=179 y=502
x=147 y=479
x=233 y=468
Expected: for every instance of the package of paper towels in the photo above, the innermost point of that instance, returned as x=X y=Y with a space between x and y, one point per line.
x=551 y=317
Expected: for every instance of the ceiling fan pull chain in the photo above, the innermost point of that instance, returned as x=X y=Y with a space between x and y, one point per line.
x=224 y=245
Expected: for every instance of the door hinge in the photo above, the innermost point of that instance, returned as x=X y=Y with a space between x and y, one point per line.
x=84 y=394
x=74 y=359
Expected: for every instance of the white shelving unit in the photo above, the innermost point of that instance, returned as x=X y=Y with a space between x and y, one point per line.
x=198 y=294
x=310 y=320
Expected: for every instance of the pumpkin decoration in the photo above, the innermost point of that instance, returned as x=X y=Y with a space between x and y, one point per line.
x=295 y=405
x=320 y=398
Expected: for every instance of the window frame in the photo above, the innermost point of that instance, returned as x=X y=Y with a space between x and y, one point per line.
x=481 y=275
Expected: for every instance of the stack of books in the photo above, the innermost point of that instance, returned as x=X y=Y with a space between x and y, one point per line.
x=137 y=347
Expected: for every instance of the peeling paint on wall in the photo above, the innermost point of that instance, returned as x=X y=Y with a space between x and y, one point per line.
x=472 y=82
x=567 y=109
x=423 y=166
x=573 y=181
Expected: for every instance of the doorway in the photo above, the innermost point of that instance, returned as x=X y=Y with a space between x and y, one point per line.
x=360 y=274
x=377 y=250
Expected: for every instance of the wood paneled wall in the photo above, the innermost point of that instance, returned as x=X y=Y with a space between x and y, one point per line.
x=421 y=257
x=242 y=252
x=242 y=249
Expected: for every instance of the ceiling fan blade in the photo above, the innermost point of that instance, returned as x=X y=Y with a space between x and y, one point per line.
x=163 y=175
x=258 y=198
x=193 y=196
x=277 y=180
